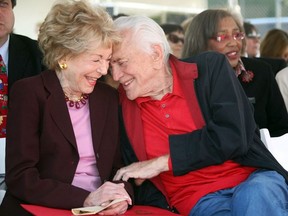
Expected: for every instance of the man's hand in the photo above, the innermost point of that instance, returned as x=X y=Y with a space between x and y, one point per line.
x=143 y=170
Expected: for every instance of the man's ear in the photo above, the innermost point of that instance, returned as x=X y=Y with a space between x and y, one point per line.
x=157 y=56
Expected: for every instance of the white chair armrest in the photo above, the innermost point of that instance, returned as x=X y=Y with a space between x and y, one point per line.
x=278 y=146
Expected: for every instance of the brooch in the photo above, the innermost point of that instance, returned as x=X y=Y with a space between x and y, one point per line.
x=247 y=76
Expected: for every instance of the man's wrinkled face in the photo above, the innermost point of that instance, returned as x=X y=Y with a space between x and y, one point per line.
x=6 y=20
x=133 y=68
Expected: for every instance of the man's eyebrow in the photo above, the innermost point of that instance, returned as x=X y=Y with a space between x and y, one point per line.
x=116 y=59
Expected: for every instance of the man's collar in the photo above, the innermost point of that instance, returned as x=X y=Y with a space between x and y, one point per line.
x=4 y=50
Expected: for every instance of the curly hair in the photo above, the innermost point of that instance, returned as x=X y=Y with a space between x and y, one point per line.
x=69 y=29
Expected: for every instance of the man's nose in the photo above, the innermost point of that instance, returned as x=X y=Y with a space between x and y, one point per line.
x=116 y=73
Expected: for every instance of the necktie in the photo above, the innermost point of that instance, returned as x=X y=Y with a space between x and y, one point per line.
x=3 y=97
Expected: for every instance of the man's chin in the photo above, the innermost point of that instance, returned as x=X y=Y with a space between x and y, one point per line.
x=131 y=96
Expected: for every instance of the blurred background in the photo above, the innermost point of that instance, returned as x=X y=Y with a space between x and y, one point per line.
x=264 y=14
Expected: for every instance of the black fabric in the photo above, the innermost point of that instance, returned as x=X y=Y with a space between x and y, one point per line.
x=24 y=60
x=277 y=64
x=239 y=141
x=269 y=107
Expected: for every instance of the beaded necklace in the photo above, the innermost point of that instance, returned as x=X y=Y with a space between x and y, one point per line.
x=80 y=102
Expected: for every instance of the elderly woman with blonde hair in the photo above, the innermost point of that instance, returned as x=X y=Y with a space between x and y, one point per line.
x=62 y=130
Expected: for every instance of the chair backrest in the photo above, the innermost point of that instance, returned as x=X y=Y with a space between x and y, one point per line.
x=2 y=194
x=2 y=155
x=2 y=167
x=278 y=146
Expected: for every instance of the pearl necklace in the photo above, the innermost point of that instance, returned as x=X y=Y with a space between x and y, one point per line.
x=78 y=103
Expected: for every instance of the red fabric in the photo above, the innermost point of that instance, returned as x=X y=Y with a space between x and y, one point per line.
x=172 y=115
x=3 y=98
x=135 y=210
x=161 y=118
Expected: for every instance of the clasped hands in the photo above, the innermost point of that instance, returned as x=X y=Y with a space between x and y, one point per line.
x=110 y=191
x=105 y=194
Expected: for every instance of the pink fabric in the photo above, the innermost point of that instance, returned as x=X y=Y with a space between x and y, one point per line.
x=87 y=175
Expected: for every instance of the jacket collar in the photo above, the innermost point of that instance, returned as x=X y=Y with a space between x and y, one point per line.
x=57 y=105
x=60 y=114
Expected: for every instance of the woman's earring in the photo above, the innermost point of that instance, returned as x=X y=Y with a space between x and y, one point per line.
x=63 y=66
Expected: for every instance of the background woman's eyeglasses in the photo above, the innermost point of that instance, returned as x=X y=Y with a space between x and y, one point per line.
x=254 y=36
x=175 y=39
x=236 y=36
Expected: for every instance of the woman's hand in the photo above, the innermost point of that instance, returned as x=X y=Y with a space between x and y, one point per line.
x=116 y=209
x=107 y=193
x=143 y=170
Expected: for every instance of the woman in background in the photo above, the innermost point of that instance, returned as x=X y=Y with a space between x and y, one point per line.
x=252 y=40
x=219 y=30
x=275 y=44
x=62 y=131
x=175 y=36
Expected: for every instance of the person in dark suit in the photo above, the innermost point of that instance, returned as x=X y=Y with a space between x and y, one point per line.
x=21 y=54
x=277 y=64
x=175 y=36
x=24 y=59
x=62 y=130
x=188 y=128
x=222 y=32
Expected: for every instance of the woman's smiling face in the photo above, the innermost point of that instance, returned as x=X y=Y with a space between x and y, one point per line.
x=229 y=46
x=85 y=69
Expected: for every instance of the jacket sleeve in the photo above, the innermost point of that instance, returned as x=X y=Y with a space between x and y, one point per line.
x=25 y=176
x=228 y=114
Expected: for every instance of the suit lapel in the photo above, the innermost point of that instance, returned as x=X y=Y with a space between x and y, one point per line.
x=58 y=107
x=98 y=113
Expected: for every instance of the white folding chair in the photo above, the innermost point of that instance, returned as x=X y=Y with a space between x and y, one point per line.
x=2 y=194
x=278 y=146
x=2 y=168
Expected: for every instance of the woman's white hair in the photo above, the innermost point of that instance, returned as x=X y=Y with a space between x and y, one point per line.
x=145 y=32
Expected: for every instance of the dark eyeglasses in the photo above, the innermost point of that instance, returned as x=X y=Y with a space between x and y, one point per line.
x=236 y=36
x=253 y=36
x=175 y=39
